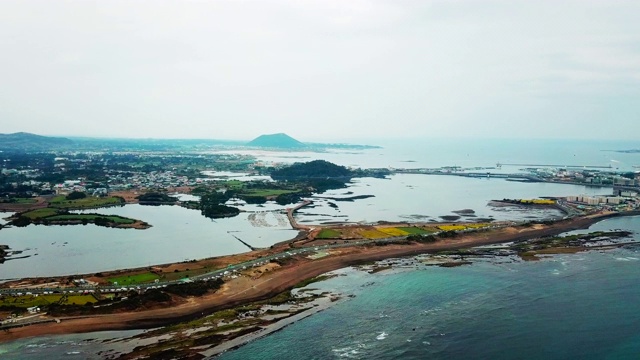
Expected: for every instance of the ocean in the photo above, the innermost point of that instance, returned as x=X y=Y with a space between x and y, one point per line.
x=572 y=306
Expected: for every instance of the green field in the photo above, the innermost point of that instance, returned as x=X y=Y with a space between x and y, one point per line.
x=134 y=279
x=415 y=230
x=25 y=200
x=233 y=184
x=60 y=202
x=328 y=234
x=27 y=301
x=40 y=213
x=266 y=192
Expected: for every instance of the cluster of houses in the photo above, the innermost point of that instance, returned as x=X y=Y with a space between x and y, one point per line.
x=118 y=180
x=626 y=199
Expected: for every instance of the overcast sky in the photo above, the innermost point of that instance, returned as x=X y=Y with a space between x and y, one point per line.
x=321 y=70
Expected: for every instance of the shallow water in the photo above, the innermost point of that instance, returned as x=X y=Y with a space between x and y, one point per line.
x=582 y=306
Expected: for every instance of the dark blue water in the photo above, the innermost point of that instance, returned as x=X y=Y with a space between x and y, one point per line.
x=577 y=306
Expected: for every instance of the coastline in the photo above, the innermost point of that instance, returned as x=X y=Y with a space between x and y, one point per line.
x=287 y=277
x=242 y=340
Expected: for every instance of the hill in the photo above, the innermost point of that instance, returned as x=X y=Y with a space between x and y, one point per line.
x=281 y=141
x=29 y=142
x=317 y=169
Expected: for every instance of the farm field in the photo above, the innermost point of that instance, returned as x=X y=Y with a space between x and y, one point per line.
x=60 y=202
x=134 y=279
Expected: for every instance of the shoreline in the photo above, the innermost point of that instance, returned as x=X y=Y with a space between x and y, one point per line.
x=287 y=277
x=242 y=340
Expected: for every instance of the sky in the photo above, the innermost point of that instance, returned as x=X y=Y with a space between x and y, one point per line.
x=321 y=70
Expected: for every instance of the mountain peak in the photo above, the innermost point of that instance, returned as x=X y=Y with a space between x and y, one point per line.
x=279 y=140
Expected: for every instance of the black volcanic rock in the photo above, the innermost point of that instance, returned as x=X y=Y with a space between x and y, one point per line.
x=281 y=141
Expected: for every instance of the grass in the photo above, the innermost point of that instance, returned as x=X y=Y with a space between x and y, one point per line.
x=416 y=230
x=233 y=184
x=79 y=300
x=27 y=301
x=328 y=234
x=40 y=213
x=266 y=192
x=185 y=274
x=372 y=234
x=60 y=202
x=134 y=279
x=392 y=231
x=24 y=201
x=91 y=217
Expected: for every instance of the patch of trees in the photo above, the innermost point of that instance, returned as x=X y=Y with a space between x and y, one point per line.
x=448 y=234
x=317 y=169
x=212 y=205
x=254 y=199
x=379 y=173
x=76 y=195
x=21 y=221
x=196 y=288
x=219 y=211
x=291 y=198
x=322 y=185
x=156 y=198
x=422 y=238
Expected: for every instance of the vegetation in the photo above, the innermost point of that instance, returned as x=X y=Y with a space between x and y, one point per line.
x=372 y=234
x=317 y=169
x=392 y=231
x=50 y=216
x=422 y=238
x=76 y=195
x=416 y=230
x=529 y=201
x=219 y=211
x=328 y=234
x=61 y=202
x=26 y=301
x=196 y=288
x=156 y=198
x=460 y=227
x=134 y=279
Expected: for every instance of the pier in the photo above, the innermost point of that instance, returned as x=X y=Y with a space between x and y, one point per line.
x=513 y=176
x=559 y=166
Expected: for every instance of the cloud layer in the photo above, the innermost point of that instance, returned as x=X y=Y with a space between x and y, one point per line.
x=321 y=69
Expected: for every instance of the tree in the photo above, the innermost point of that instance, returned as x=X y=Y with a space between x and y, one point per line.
x=76 y=195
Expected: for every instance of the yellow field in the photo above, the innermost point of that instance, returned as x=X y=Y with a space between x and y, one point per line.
x=459 y=227
x=372 y=234
x=540 y=201
x=392 y=231
x=452 y=227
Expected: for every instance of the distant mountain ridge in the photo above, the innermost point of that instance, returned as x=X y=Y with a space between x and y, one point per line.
x=24 y=140
x=280 y=141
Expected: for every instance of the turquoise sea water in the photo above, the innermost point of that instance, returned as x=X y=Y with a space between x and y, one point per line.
x=576 y=306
